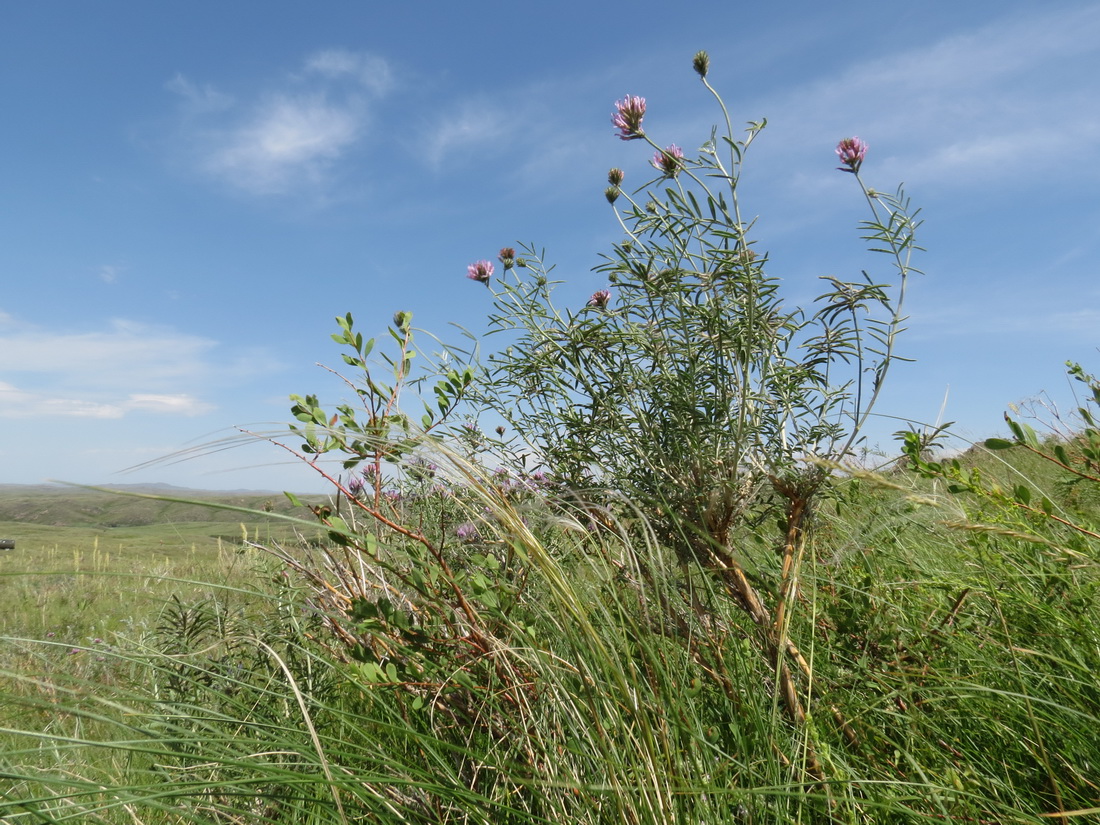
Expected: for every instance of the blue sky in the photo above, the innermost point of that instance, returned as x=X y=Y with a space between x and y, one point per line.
x=191 y=192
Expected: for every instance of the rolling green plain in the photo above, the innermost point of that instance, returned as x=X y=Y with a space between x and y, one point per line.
x=87 y=562
x=175 y=663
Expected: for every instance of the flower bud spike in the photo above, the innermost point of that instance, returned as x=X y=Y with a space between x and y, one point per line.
x=701 y=64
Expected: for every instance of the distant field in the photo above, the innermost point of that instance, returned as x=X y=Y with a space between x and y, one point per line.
x=49 y=504
x=47 y=517
x=156 y=669
x=87 y=563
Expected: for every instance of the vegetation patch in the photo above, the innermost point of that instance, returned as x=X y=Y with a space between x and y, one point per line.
x=624 y=569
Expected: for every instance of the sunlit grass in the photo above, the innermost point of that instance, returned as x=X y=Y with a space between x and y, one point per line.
x=952 y=678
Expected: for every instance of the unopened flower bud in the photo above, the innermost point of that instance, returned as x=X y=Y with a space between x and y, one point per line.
x=611 y=193
x=701 y=63
x=500 y=430
x=507 y=257
x=615 y=177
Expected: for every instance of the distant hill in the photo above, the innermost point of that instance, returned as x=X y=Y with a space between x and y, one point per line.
x=182 y=492
x=130 y=505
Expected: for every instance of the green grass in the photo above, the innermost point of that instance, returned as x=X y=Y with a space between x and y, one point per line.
x=70 y=506
x=953 y=675
x=77 y=550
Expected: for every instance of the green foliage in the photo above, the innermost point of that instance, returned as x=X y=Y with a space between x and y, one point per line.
x=690 y=384
x=1064 y=513
x=689 y=388
x=613 y=684
x=376 y=429
x=460 y=643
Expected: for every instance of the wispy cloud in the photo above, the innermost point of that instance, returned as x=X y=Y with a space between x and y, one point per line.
x=19 y=403
x=198 y=100
x=961 y=110
x=108 y=373
x=284 y=143
x=1041 y=321
x=108 y=273
x=290 y=136
x=371 y=72
x=470 y=124
x=123 y=352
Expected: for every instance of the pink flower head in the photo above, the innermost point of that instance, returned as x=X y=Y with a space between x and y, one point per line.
x=851 y=152
x=669 y=160
x=628 y=117
x=600 y=298
x=480 y=271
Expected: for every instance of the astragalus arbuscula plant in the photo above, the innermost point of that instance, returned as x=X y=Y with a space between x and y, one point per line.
x=475 y=638
x=688 y=387
x=682 y=402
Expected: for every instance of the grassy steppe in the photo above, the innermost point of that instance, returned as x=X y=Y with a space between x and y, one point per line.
x=77 y=550
x=168 y=674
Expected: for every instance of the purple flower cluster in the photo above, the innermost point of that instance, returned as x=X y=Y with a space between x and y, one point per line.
x=600 y=299
x=851 y=152
x=480 y=271
x=669 y=161
x=628 y=117
x=467 y=532
x=420 y=469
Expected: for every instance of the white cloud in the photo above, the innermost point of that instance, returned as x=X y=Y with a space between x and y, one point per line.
x=987 y=157
x=124 y=354
x=181 y=404
x=1041 y=320
x=108 y=373
x=291 y=137
x=19 y=403
x=286 y=142
x=198 y=101
x=961 y=110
